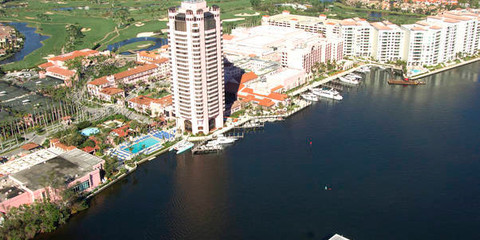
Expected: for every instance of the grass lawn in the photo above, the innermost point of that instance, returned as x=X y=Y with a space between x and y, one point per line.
x=51 y=16
x=136 y=46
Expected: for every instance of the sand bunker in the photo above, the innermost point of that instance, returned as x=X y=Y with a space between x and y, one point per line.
x=163 y=19
x=247 y=14
x=144 y=45
x=29 y=17
x=86 y=29
x=146 y=34
x=61 y=2
x=49 y=13
x=139 y=24
x=49 y=56
x=233 y=19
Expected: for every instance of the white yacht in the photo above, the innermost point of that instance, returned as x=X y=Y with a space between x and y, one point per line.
x=309 y=97
x=3 y=92
x=349 y=80
x=327 y=93
x=25 y=101
x=181 y=146
x=353 y=75
x=363 y=70
x=366 y=69
x=225 y=140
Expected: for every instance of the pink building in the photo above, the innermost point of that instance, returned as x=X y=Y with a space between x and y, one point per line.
x=75 y=168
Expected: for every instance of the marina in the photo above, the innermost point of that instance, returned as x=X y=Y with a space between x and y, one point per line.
x=254 y=181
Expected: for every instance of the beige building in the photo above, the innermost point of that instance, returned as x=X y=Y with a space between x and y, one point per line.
x=196 y=56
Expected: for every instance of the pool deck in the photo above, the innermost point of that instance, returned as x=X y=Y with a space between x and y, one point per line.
x=429 y=73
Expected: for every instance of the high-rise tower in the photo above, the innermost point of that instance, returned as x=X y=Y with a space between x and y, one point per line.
x=195 y=39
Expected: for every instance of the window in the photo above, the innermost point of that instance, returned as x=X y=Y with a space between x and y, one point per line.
x=180 y=24
x=81 y=187
x=210 y=22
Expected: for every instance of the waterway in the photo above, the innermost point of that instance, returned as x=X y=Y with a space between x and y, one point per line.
x=158 y=43
x=402 y=162
x=33 y=41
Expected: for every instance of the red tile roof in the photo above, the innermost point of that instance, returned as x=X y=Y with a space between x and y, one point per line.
x=74 y=54
x=160 y=60
x=45 y=65
x=30 y=146
x=61 y=71
x=99 y=81
x=164 y=101
x=56 y=143
x=142 y=100
x=148 y=54
x=134 y=71
x=276 y=88
x=111 y=91
x=122 y=131
x=246 y=77
x=266 y=102
x=228 y=37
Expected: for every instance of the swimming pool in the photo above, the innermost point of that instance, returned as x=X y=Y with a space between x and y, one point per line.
x=144 y=144
x=415 y=71
x=89 y=131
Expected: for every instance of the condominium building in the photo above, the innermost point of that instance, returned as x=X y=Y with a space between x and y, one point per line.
x=321 y=24
x=357 y=36
x=462 y=31
x=195 y=38
x=423 y=44
x=388 y=42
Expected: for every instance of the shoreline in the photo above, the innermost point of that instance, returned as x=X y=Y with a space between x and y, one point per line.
x=423 y=75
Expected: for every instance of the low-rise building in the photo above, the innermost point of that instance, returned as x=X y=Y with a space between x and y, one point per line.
x=62 y=73
x=74 y=169
x=108 y=94
x=153 y=106
x=8 y=38
x=329 y=28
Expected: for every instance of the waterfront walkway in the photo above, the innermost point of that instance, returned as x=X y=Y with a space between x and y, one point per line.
x=444 y=69
x=326 y=80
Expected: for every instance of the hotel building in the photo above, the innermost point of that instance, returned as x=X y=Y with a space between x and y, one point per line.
x=195 y=38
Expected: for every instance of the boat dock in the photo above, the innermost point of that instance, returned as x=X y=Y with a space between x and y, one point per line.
x=202 y=148
x=403 y=82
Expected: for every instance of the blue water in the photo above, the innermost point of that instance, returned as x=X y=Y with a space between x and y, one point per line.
x=89 y=131
x=33 y=41
x=142 y=145
x=402 y=162
x=415 y=71
x=158 y=43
